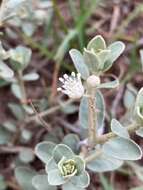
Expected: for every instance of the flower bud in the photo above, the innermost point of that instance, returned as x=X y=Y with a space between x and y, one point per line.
x=93 y=81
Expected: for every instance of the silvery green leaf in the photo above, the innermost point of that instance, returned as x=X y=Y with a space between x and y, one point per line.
x=97 y=43
x=83 y=111
x=5 y=71
x=103 y=57
x=129 y=97
x=139 y=106
x=71 y=186
x=79 y=63
x=55 y=177
x=10 y=126
x=104 y=163
x=5 y=136
x=82 y=180
x=16 y=90
x=26 y=155
x=24 y=177
x=69 y=109
x=40 y=182
x=28 y=109
x=72 y=141
x=123 y=149
x=26 y=135
x=60 y=151
x=17 y=111
x=112 y=84
x=28 y=28
x=44 y=151
x=141 y=55
x=3 y=185
x=21 y=55
x=3 y=54
x=51 y=165
x=80 y=164
x=117 y=49
x=139 y=132
x=31 y=77
x=118 y=129
x=92 y=61
x=137 y=188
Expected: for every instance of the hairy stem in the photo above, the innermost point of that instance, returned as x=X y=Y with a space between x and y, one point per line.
x=104 y=138
x=92 y=117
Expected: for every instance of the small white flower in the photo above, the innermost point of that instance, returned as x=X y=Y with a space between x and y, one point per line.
x=72 y=86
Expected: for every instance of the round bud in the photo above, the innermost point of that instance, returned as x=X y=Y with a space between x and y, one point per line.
x=93 y=81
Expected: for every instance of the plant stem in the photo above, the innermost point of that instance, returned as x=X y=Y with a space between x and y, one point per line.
x=22 y=87
x=103 y=138
x=92 y=117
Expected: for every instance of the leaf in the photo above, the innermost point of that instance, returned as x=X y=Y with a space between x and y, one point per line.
x=31 y=77
x=80 y=164
x=5 y=136
x=16 y=90
x=82 y=180
x=103 y=57
x=117 y=49
x=79 y=63
x=5 y=71
x=112 y=84
x=97 y=43
x=21 y=55
x=26 y=155
x=92 y=61
x=44 y=151
x=17 y=111
x=51 y=165
x=118 y=129
x=3 y=185
x=129 y=97
x=72 y=141
x=83 y=111
x=24 y=177
x=104 y=163
x=60 y=151
x=71 y=186
x=40 y=182
x=123 y=149
x=55 y=178
x=139 y=132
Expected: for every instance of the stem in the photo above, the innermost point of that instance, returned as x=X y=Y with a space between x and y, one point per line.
x=104 y=138
x=92 y=117
x=22 y=87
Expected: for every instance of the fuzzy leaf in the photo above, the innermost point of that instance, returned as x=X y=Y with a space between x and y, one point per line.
x=44 y=151
x=83 y=111
x=118 y=129
x=112 y=84
x=79 y=63
x=31 y=77
x=123 y=149
x=71 y=186
x=82 y=180
x=80 y=164
x=60 y=151
x=97 y=43
x=91 y=60
x=72 y=141
x=5 y=71
x=104 y=163
x=55 y=178
x=16 y=90
x=40 y=182
x=26 y=155
x=24 y=177
x=51 y=165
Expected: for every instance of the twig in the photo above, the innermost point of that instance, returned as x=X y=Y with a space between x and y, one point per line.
x=48 y=112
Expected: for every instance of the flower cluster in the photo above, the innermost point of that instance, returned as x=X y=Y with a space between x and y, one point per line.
x=63 y=167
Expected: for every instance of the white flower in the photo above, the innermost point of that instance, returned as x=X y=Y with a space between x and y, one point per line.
x=72 y=86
